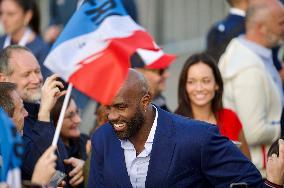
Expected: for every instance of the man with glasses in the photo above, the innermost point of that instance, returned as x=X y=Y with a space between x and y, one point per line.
x=18 y=65
x=157 y=82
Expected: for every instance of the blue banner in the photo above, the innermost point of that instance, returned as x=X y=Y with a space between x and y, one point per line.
x=11 y=147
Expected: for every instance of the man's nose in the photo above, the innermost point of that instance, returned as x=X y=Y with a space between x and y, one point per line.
x=35 y=78
x=112 y=115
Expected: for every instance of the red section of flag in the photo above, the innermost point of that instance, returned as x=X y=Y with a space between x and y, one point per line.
x=101 y=77
x=140 y=39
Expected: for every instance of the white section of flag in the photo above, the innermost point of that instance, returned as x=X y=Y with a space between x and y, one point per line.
x=75 y=50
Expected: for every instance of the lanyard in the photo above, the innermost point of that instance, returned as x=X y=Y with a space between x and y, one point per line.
x=23 y=41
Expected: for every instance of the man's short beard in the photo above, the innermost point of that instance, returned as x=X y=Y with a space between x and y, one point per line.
x=133 y=126
x=32 y=98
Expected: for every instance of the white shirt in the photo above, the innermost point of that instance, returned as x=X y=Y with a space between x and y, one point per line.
x=238 y=12
x=137 y=167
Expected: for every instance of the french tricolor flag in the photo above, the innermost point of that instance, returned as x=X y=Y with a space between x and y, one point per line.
x=98 y=45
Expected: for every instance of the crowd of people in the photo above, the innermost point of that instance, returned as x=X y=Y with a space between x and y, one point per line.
x=226 y=128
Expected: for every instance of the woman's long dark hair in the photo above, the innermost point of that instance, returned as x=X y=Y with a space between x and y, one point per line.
x=55 y=112
x=184 y=104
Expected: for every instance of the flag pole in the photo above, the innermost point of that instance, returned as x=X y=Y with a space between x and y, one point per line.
x=61 y=116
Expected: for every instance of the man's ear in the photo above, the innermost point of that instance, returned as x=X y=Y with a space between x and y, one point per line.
x=3 y=78
x=146 y=100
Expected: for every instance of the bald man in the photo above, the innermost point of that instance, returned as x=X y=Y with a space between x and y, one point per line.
x=144 y=146
x=252 y=86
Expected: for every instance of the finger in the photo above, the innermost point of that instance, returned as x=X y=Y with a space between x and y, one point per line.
x=76 y=177
x=61 y=93
x=70 y=161
x=80 y=180
x=53 y=92
x=76 y=170
x=51 y=159
x=53 y=165
x=49 y=151
x=56 y=83
x=50 y=78
x=281 y=148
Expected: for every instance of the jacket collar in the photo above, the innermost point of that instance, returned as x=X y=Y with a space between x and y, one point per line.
x=161 y=154
x=32 y=109
x=162 y=150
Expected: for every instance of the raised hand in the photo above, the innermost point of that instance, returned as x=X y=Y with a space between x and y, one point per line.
x=45 y=167
x=275 y=166
x=77 y=173
x=50 y=94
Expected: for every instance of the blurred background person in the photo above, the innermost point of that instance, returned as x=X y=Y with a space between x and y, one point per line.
x=156 y=79
x=74 y=141
x=60 y=11
x=252 y=85
x=21 y=22
x=200 y=97
x=222 y=32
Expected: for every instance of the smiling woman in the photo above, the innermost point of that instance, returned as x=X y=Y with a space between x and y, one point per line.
x=21 y=21
x=200 y=97
x=70 y=134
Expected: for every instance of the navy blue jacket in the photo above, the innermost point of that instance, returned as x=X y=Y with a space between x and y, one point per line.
x=222 y=33
x=185 y=153
x=37 y=138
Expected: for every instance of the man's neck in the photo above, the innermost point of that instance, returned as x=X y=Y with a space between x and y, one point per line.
x=141 y=137
x=253 y=37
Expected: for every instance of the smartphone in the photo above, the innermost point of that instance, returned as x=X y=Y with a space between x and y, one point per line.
x=57 y=178
x=239 y=185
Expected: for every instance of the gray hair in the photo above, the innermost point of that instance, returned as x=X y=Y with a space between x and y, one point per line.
x=5 y=56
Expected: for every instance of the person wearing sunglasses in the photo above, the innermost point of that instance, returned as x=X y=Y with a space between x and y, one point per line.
x=157 y=82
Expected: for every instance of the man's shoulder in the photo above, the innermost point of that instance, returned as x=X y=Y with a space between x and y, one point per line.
x=102 y=132
x=183 y=125
x=231 y=63
x=227 y=25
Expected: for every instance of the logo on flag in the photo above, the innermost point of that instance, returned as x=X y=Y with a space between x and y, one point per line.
x=98 y=45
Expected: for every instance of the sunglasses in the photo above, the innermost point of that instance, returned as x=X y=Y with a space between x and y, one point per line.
x=158 y=71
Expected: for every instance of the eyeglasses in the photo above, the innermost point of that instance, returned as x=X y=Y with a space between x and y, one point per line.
x=72 y=114
x=158 y=71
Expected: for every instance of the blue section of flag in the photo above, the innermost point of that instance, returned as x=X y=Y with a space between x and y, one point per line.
x=11 y=147
x=89 y=17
